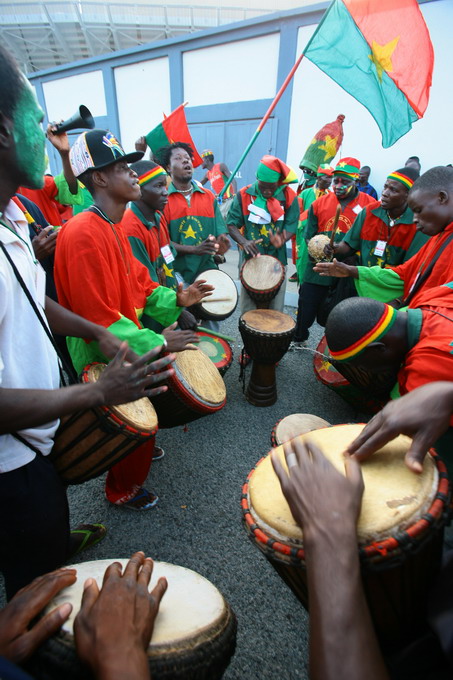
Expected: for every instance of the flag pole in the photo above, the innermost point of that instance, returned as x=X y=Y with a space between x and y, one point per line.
x=262 y=123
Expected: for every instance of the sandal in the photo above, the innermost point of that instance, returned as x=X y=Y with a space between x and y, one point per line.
x=137 y=502
x=158 y=453
x=85 y=536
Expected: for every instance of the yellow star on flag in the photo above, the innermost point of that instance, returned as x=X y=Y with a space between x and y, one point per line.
x=325 y=366
x=167 y=271
x=189 y=233
x=381 y=56
x=329 y=146
x=264 y=231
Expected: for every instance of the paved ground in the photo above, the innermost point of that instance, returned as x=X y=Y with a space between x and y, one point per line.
x=197 y=523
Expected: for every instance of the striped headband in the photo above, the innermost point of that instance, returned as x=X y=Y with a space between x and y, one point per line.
x=151 y=174
x=384 y=324
x=399 y=177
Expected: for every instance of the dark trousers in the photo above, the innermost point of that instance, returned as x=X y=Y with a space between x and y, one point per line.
x=34 y=523
x=311 y=297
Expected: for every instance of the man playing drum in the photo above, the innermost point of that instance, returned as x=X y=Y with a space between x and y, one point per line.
x=264 y=215
x=34 y=517
x=98 y=277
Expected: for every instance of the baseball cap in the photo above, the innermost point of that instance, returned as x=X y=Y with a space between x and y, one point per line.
x=96 y=149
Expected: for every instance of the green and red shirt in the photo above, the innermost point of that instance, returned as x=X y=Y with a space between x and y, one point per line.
x=98 y=277
x=320 y=221
x=191 y=223
x=147 y=240
x=239 y=217
x=218 y=181
x=402 y=240
x=306 y=198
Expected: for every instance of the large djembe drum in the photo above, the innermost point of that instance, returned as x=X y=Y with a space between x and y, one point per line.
x=266 y=335
x=262 y=278
x=400 y=529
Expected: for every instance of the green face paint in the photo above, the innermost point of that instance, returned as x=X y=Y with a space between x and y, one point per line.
x=29 y=138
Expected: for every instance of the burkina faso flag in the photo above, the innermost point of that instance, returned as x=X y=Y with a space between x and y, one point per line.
x=173 y=128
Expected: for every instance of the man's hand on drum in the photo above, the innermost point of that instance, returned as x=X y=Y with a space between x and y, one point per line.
x=335 y=268
x=179 y=340
x=19 y=639
x=250 y=248
x=113 y=629
x=207 y=247
x=122 y=382
x=45 y=242
x=194 y=293
x=423 y=414
x=318 y=495
x=278 y=238
x=187 y=321
x=224 y=244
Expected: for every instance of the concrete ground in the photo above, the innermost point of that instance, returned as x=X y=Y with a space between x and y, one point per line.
x=198 y=523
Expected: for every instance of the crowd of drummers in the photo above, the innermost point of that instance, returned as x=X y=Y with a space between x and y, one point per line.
x=114 y=263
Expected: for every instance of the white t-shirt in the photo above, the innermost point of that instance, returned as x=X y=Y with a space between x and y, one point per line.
x=27 y=358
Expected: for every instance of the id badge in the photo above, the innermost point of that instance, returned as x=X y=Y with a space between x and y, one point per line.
x=167 y=254
x=380 y=247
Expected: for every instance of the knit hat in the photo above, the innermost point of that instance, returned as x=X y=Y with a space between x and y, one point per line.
x=96 y=149
x=272 y=169
x=324 y=146
x=147 y=171
x=348 y=166
x=406 y=176
x=207 y=152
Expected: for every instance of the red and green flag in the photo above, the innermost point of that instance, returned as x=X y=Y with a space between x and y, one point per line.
x=173 y=128
x=381 y=53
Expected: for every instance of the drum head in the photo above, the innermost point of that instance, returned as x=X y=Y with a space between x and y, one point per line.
x=262 y=273
x=196 y=373
x=217 y=349
x=224 y=298
x=297 y=424
x=140 y=414
x=268 y=321
x=394 y=497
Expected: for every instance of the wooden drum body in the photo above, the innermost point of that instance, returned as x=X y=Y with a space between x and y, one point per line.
x=266 y=335
x=262 y=278
x=90 y=442
x=217 y=349
x=224 y=299
x=194 y=634
x=331 y=378
x=195 y=390
x=400 y=530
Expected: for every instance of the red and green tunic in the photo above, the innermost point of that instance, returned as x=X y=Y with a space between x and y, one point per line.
x=190 y=224
x=320 y=221
x=239 y=217
x=306 y=198
x=372 y=225
x=54 y=194
x=98 y=278
x=147 y=240
x=218 y=181
x=396 y=282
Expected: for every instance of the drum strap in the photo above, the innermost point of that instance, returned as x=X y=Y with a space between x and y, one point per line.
x=25 y=442
x=62 y=360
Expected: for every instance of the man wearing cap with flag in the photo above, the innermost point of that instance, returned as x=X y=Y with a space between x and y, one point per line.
x=267 y=212
x=321 y=216
x=98 y=277
x=217 y=175
x=384 y=233
x=306 y=198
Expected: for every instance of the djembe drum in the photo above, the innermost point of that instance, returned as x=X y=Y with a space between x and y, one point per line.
x=195 y=390
x=400 y=529
x=294 y=425
x=223 y=300
x=217 y=349
x=266 y=335
x=90 y=442
x=194 y=634
x=262 y=278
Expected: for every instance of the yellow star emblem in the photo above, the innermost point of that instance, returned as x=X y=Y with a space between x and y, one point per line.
x=329 y=146
x=325 y=366
x=224 y=356
x=215 y=339
x=381 y=56
x=380 y=261
x=189 y=233
x=167 y=271
x=264 y=231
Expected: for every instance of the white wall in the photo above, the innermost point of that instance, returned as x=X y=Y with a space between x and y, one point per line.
x=243 y=70
x=143 y=95
x=318 y=100
x=64 y=95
